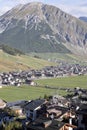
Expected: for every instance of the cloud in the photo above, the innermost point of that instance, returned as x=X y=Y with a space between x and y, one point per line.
x=76 y=11
x=4 y=9
x=79 y=11
x=26 y=1
x=6 y=5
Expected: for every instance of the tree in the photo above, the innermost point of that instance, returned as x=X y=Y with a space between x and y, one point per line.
x=13 y=126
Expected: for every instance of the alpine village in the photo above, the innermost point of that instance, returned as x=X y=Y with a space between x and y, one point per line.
x=43 y=69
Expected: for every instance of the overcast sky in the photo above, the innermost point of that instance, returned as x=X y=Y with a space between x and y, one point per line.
x=74 y=7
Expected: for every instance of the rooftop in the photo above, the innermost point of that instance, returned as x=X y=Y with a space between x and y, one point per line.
x=34 y=104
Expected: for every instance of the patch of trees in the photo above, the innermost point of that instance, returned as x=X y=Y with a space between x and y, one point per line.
x=35 y=56
x=12 y=126
x=10 y=50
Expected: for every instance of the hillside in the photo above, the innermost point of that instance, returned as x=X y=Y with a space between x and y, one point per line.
x=37 y=27
x=61 y=57
x=23 y=62
x=10 y=50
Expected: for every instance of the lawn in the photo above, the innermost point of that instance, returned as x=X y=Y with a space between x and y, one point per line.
x=25 y=93
x=68 y=82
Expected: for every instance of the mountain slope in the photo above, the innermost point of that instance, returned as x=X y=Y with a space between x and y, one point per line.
x=10 y=50
x=23 y=62
x=37 y=27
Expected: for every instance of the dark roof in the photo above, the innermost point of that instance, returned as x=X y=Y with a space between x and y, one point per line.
x=54 y=125
x=17 y=103
x=34 y=104
x=82 y=109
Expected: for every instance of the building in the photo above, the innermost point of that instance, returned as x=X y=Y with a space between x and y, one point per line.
x=32 y=108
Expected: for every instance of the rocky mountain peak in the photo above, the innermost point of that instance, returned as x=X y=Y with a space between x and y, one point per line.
x=42 y=27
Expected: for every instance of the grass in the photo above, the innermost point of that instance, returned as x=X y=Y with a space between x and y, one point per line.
x=23 y=62
x=66 y=82
x=25 y=93
x=71 y=58
x=28 y=92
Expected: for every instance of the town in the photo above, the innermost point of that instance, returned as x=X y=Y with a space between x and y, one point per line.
x=27 y=77
x=51 y=112
x=43 y=65
x=48 y=113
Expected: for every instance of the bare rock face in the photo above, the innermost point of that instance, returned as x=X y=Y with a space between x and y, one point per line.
x=37 y=27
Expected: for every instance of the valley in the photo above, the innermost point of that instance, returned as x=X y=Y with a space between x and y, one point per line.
x=43 y=66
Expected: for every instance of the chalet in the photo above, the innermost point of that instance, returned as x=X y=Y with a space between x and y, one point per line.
x=29 y=81
x=56 y=111
x=16 y=103
x=37 y=74
x=82 y=116
x=18 y=110
x=43 y=123
x=32 y=108
x=68 y=126
x=58 y=100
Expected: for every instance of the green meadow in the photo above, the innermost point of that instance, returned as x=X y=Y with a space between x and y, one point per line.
x=26 y=92
x=22 y=62
x=66 y=82
x=66 y=57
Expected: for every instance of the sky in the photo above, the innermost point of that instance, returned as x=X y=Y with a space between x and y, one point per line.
x=76 y=8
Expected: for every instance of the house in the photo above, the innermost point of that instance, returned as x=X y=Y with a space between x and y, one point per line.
x=58 y=112
x=68 y=126
x=82 y=116
x=18 y=110
x=43 y=123
x=32 y=108
x=17 y=106
x=29 y=81
x=54 y=112
x=59 y=101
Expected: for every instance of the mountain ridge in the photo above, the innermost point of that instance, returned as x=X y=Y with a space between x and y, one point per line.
x=39 y=27
x=83 y=18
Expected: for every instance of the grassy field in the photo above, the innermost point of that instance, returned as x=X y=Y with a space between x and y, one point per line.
x=26 y=93
x=11 y=63
x=68 y=82
x=71 y=58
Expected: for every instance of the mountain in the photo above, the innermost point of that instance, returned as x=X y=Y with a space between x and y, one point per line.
x=83 y=19
x=37 y=27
